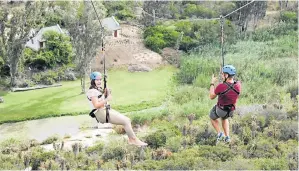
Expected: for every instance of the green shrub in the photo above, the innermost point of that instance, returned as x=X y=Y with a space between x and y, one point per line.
x=155 y=42
x=114 y=152
x=263 y=148
x=173 y=143
x=122 y=10
x=159 y=37
x=51 y=139
x=288 y=130
x=58 y=51
x=238 y=164
x=8 y=162
x=206 y=136
x=271 y=33
x=47 y=77
x=289 y=16
x=215 y=153
x=97 y=149
x=39 y=156
x=156 y=139
x=192 y=67
x=271 y=164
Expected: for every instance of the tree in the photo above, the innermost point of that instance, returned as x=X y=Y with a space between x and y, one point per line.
x=85 y=32
x=17 y=19
x=255 y=11
x=154 y=9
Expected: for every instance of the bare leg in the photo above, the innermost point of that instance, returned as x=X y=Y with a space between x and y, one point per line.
x=119 y=119
x=216 y=125
x=225 y=126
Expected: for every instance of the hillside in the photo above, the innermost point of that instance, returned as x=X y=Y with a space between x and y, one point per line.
x=128 y=49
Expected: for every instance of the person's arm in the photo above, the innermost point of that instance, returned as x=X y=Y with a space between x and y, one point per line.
x=212 y=92
x=100 y=104
x=212 y=88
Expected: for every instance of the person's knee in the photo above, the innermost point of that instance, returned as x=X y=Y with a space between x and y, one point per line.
x=127 y=120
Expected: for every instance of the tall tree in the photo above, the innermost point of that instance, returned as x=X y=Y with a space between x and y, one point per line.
x=17 y=19
x=254 y=11
x=85 y=31
x=153 y=10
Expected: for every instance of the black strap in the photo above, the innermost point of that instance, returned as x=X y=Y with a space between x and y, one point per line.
x=91 y=114
x=107 y=113
x=98 y=97
x=216 y=111
x=229 y=87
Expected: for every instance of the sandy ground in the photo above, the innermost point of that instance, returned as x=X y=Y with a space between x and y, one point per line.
x=127 y=49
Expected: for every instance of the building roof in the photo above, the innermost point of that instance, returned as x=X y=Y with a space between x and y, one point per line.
x=39 y=35
x=110 y=23
x=34 y=42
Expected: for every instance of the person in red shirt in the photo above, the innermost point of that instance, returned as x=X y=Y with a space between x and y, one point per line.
x=228 y=93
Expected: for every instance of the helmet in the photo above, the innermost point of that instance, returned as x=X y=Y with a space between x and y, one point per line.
x=229 y=69
x=94 y=75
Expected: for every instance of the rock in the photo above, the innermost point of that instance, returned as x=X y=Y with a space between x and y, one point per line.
x=1 y=100
x=171 y=55
x=70 y=76
x=139 y=68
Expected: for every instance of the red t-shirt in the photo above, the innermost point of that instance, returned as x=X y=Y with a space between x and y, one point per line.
x=229 y=97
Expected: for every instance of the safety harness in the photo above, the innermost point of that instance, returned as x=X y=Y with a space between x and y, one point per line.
x=227 y=108
x=93 y=111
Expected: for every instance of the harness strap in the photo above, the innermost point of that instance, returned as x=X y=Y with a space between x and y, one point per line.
x=93 y=110
x=226 y=108
x=107 y=112
x=98 y=97
x=229 y=87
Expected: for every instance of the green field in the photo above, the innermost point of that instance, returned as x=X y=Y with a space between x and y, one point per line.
x=131 y=92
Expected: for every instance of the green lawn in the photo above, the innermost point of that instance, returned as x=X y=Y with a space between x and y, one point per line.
x=131 y=91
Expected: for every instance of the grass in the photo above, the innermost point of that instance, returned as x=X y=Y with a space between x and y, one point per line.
x=131 y=92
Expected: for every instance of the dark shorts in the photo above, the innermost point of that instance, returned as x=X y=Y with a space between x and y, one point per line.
x=216 y=113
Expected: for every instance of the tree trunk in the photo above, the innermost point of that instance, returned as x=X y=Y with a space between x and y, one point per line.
x=14 y=55
x=83 y=82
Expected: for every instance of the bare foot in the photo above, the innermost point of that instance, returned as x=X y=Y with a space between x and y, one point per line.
x=137 y=142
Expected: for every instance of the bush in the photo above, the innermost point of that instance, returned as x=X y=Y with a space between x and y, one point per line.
x=117 y=153
x=192 y=67
x=215 y=153
x=51 y=139
x=96 y=149
x=156 y=139
x=39 y=156
x=288 y=130
x=206 y=136
x=271 y=33
x=289 y=16
x=238 y=164
x=47 y=78
x=263 y=148
x=271 y=164
x=173 y=143
x=122 y=10
x=159 y=37
x=156 y=42
x=58 y=51
x=185 y=94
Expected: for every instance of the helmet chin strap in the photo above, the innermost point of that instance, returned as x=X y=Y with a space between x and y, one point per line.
x=225 y=78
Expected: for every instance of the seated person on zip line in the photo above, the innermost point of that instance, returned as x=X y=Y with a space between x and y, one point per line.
x=228 y=94
x=99 y=106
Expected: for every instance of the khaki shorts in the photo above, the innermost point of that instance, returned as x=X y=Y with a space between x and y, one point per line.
x=216 y=113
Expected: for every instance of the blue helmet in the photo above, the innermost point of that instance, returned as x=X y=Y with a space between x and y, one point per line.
x=94 y=75
x=229 y=69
